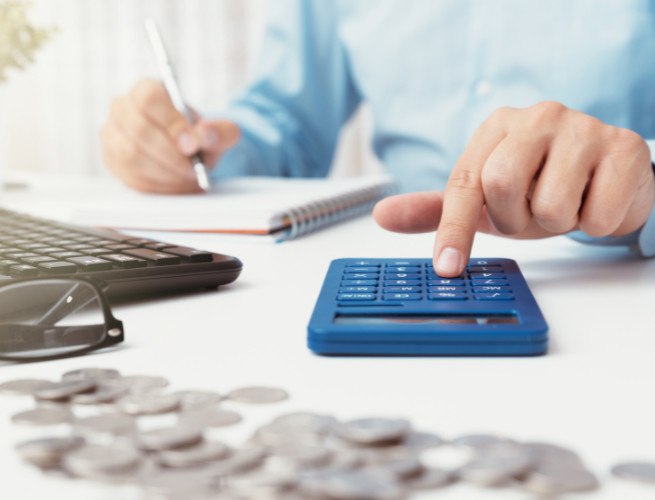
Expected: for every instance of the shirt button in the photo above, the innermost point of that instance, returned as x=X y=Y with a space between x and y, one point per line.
x=483 y=88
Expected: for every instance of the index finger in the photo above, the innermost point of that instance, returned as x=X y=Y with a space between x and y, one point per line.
x=463 y=202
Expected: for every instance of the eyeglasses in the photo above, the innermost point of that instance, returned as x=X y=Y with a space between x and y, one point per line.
x=45 y=318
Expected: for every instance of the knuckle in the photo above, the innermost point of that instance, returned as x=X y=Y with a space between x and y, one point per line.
x=499 y=115
x=545 y=113
x=463 y=179
x=597 y=224
x=141 y=130
x=547 y=211
x=497 y=185
x=453 y=227
x=628 y=141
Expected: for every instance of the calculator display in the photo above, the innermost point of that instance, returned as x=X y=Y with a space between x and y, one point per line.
x=437 y=319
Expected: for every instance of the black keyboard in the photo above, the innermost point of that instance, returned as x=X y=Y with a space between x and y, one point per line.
x=36 y=247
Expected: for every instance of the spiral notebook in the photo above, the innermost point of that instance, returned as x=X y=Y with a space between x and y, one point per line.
x=284 y=208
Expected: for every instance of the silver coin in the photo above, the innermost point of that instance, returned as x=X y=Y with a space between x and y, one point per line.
x=114 y=424
x=306 y=421
x=168 y=438
x=92 y=460
x=101 y=394
x=203 y=452
x=209 y=417
x=276 y=435
x=241 y=460
x=197 y=400
x=402 y=463
x=553 y=453
x=148 y=404
x=362 y=485
x=291 y=457
x=496 y=464
x=430 y=478
x=261 y=484
x=60 y=391
x=96 y=374
x=554 y=479
x=636 y=471
x=178 y=484
x=43 y=416
x=47 y=452
x=419 y=440
x=258 y=395
x=23 y=387
x=477 y=441
x=373 y=431
x=139 y=384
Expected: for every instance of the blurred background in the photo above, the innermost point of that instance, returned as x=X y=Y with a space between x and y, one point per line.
x=51 y=112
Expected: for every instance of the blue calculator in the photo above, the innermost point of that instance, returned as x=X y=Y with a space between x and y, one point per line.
x=401 y=307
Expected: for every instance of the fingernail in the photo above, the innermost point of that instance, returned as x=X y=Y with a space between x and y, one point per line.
x=187 y=143
x=449 y=262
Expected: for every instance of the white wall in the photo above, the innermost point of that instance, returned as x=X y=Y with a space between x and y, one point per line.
x=54 y=110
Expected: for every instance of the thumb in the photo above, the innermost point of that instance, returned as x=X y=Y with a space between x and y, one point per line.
x=211 y=138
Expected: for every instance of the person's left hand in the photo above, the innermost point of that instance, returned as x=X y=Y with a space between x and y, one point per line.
x=532 y=173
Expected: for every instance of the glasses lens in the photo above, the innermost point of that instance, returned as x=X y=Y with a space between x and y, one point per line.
x=49 y=318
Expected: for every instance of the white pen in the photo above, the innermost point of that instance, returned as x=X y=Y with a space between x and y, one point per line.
x=167 y=73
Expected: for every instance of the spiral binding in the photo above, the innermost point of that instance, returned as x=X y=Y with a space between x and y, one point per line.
x=312 y=216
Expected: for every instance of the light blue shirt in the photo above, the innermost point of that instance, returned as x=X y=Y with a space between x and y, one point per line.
x=431 y=72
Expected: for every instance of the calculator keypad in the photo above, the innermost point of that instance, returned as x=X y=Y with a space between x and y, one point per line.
x=401 y=281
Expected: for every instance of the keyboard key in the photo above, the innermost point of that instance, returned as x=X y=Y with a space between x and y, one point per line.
x=159 y=245
x=51 y=250
x=446 y=281
x=402 y=296
x=369 y=269
x=94 y=251
x=402 y=276
x=58 y=267
x=494 y=296
x=157 y=258
x=477 y=276
x=65 y=255
x=78 y=246
x=446 y=288
x=119 y=246
x=139 y=241
x=90 y=263
x=484 y=269
x=359 y=282
x=485 y=289
x=5 y=264
x=360 y=263
x=23 y=270
x=124 y=261
x=489 y=282
x=447 y=296
x=402 y=269
x=37 y=260
x=190 y=254
x=402 y=282
x=356 y=296
x=360 y=276
x=21 y=255
x=399 y=289
x=357 y=289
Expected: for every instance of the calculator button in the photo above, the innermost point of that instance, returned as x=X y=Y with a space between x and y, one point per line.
x=403 y=269
x=489 y=282
x=399 y=263
x=125 y=261
x=23 y=270
x=359 y=282
x=58 y=267
x=402 y=282
x=445 y=281
x=158 y=258
x=477 y=276
x=357 y=289
x=435 y=289
x=360 y=276
x=402 y=296
x=89 y=263
x=494 y=296
x=369 y=269
x=485 y=289
x=356 y=296
x=433 y=276
x=399 y=289
x=359 y=263
x=484 y=269
x=447 y=296
x=402 y=276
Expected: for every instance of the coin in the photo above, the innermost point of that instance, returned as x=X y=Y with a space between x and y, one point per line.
x=101 y=394
x=276 y=435
x=43 y=416
x=24 y=387
x=148 y=404
x=636 y=471
x=196 y=400
x=306 y=421
x=91 y=460
x=60 y=391
x=360 y=485
x=205 y=451
x=139 y=384
x=210 y=417
x=115 y=424
x=371 y=431
x=497 y=463
x=291 y=457
x=168 y=438
x=430 y=478
x=47 y=452
x=477 y=441
x=554 y=479
x=400 y=462
x=422 y=440
x=258 y=395
x=96 y=374
x=240 y=461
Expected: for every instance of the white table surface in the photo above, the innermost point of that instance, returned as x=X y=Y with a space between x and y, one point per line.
x=592 y=391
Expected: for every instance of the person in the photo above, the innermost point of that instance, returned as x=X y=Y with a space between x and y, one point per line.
x=541 y=109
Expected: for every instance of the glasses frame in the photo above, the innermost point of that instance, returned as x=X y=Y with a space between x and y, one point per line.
x=114 y=332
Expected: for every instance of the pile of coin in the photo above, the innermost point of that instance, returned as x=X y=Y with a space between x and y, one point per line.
x=300 y=455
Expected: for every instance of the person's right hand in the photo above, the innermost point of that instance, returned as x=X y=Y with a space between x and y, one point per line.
x=147 y=143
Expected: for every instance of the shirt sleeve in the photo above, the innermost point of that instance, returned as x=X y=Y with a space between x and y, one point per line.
x=641 y=241
x=302 y=93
